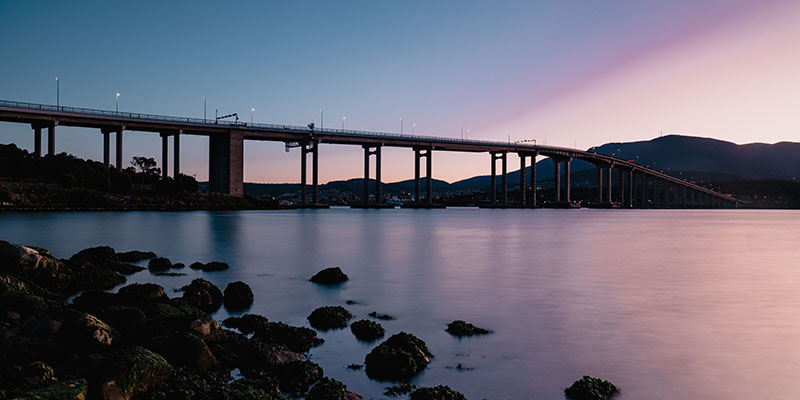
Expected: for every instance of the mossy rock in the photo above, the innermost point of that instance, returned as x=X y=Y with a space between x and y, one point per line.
x=295 y=338
x=159 y=264
x=398 y=358
x=137 y=293
x=131 y=371
x=295 y=377
x=383 y=317
x=331 y=389
x=76 y=389
x=329 y=276
x=190 y=384
x=259 y=355
x=36 y=265
x=94 y=301
x=185 y=349
x=367 y=330
x=13 y=284
x=440 y=392
x=237 y=296
x=330 y=317
x=102 y=256
x=209 y=267
x=590 y=388
x=86 y=332
x=396 y=390
x=462 y=328
x=203 y=295
x=125 y=318
x=135 y=256
x=247 y=323
x=35 y=374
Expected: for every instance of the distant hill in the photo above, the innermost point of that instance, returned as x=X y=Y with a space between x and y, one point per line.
x=702 y=159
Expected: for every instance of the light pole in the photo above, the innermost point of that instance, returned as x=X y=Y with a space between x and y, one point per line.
x=117 y=106
x=252 y=110
x=412 y=128
x=401 y=126
x=320 y=119
x=204 y=108
x=58 y=92
x=466 y=137
x=343 y=118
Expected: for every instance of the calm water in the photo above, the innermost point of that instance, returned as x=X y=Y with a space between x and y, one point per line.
x=666 y=304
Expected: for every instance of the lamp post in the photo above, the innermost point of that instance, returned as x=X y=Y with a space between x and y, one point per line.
x=116 y=109
x=58 y=92
x=343 y=118
x=320 y=119
x=204 y=108
x=401 y=126
x=252 y=110
x=412 y=128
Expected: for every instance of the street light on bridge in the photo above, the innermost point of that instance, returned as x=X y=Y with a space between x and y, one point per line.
x=116 y=109
x=343 y=118
x=252 y=110
x=58 y=92
x=204 y=108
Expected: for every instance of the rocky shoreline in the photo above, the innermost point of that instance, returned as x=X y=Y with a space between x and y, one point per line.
x=138 y=343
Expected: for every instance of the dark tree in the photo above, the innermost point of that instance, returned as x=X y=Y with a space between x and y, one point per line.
x=146 y=165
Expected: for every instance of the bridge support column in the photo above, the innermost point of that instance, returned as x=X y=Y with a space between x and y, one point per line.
x=630 y=188
x=119 y=148
x=657 y=193
x=567 y=179
x=378 y=190
x=523 y=188
x=557 y=180
x=378 y=181
x=51 y=139
x=164 y=155
x=429 y=175
x=420 y=153
x=621 y=187
x=599 y=184
x=315 y=172
x=37 y=141
x=303 y=173
x=610 y=171
x=176 y=154
x=226 y=163
x=504 y=179
x=416 y=177
x=644 y=189
x=533 y=180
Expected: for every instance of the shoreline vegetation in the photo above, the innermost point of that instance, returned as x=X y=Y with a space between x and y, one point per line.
x=138 y=343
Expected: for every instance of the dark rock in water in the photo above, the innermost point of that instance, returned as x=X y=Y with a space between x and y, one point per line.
x=237 y=296
x=136 y=293
x=208 y=267
x=247 y=323
x=76 y=389
x=331 y=317
x=329 y=276
x=181 y=348
x=38 y=266
x=102 y=256
x=384 y=317
x=86 y=332
x=295 y=377
x=178 y=266
x=350 y=302
x=12 y=284
x=295 y=338
x=131 y=371
x=355 y=367
x=589 y=388
x=135 y=255
x=396 y=390
x=203 y=295
x=169 y=274
x=128 y=269
x=159 y=264
x=259 y=355
x=94 y=301
x=331 y=389
x=398 y=358
x=440 y=392
x=462 y=328
x=367 y=330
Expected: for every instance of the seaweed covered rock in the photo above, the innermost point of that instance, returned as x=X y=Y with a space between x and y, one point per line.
x=398 y=358
x=95 y=301
x=296 y=377
x=247 y=323
x=329 y=276
x=137 y=293
x=189 y=384
x=209 y=267
x=259 y=355
x=203 y=295
x=123 y=317
x=159 y=264
x=102 y=256
x=330 y=317
x=34 y=375
x=367 y=330
x=97 y=268
x=396 y=390
x=76 y=389
x=36 y=265
x=131 y=371
x=462 y=328
x=186 y=349
x=135 y=255
x=208 y=329
x=237 y=296
x=295 y=338
x=331 y=389
x=589 y=388
x=384 y=317
x=86 y=332
x=440 y=392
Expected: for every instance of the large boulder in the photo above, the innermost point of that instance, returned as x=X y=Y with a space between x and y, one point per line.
x=398 y=358
x=97 y=268
x=208 y=329
x=131 y=371
x=440 y=392
x=102 y=256
x=259 y=355
x=367 y=330
x=237 y=296
x=137 y=293
x=331 y=317
x=76 y=389
x=135 y=255
x=247 y=323
x=295 y=377
x=37 y=265
x=86 y=332
x=209 y=267
x=331 y=389
x=186 y=349
x=462 y=328
x=295 y=338
x=203 y=295
x=159 y=264
x=329 y=276
x=589 y=388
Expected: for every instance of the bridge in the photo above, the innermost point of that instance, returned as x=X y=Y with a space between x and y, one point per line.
x=639 y=186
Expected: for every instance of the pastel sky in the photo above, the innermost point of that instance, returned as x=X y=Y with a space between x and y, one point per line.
x=569 y=73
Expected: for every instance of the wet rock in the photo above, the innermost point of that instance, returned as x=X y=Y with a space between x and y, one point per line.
x=331 y=389
x=384 y=317
x=331 y=317
x=137 y=293
x=350 y=302
x=102 y=256
x=159 y=264
x=24 y=304
x=42 y=328
x=35 y=374
x=355 y=367
x=128 y=269
x=237 y=296
x=247 y=323
x=329 y=276
x=261 y=355
x=203 y=295
x=124 y=318
x=135 y=255
x=589 y=388
x=178 y=266
x=367 y=330
x=86 y=332
x=186 y=349
x=94 y=301
x=396 y=390
x=169 y=274
x=462 y=328
x=35 y=265
x=437 y=393
x=398 y=358
x=76 y=389
x=131 y=371
x=295 y=338
x=295 y=377
x=12 y=284
x=208 y=329
x=209 y=267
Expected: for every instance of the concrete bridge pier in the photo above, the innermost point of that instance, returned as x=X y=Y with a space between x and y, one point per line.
x=106 y=147
x=502 y=156
x=630 y=188
x=226 y=163
x=420 y=153
x=176 y=154
x=164 y=155
x=621 y=187
x=568 y=179
x=37 y=139
x=523 y=188
x=305 y=148
x=504 y=179
x=51 y=138
x=119 y=147
x=556 y=180
x=533 y=180
x=599 y=184
x=378 y=186
x=610 y=172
